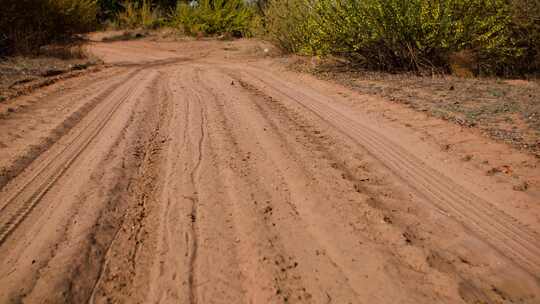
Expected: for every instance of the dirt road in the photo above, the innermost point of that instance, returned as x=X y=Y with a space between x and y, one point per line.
x=205 y=172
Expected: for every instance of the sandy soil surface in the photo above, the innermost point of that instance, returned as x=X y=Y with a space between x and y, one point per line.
x=206 y=172
x=19 y=75
x=507 y=110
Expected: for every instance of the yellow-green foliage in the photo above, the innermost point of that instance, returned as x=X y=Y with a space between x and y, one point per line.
x=292 y=24
x=212 y=17
x=71 y=15
x=526 y=33
x=139 y=15
x=25 y=25
x=397 y=34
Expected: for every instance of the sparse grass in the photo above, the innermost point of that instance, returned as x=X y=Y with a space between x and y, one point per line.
x=19 y=71
x=503 y=109
x=127 y=35
x=70 y=51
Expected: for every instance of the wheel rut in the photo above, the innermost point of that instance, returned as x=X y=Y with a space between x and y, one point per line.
x=502 y=232
x=18 y=202
x=194 y=199
x=126 y=251
x=190 y=175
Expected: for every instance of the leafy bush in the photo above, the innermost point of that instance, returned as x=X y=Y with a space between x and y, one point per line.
x=399 y=35
x=25 y=25
x=108 y=9
x=526 y=34
x=213 y=17
x=293 y=25
x=139 y=15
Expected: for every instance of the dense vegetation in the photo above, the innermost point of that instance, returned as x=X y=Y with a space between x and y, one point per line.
x=138 y=14
x=212 y=17
x=484 y=36
x=28 y=24
x=490 y=36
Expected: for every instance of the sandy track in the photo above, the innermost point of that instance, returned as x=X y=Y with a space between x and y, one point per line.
x=24 y=193
x=475 y=213
x=191 y=176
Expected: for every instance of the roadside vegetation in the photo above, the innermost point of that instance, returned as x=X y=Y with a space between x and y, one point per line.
x=464 y=37
x=483 y=37
x=134 y=15
x=26 y=25
x=211 y=17
x=502 y=109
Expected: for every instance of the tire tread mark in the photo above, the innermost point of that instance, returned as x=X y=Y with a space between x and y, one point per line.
x=23 y=201
x=516 y=242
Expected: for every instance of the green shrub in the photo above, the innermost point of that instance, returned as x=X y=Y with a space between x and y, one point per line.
x=139 y=15
x=292 y=24
x=526 y=34
x=213 y=17
x=25 y=25
x=395 y=35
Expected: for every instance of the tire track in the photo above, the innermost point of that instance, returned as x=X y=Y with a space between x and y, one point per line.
x=507 y=237
x=142 y=200
x=194 y=174
x=19 y=164
x=20 y=202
